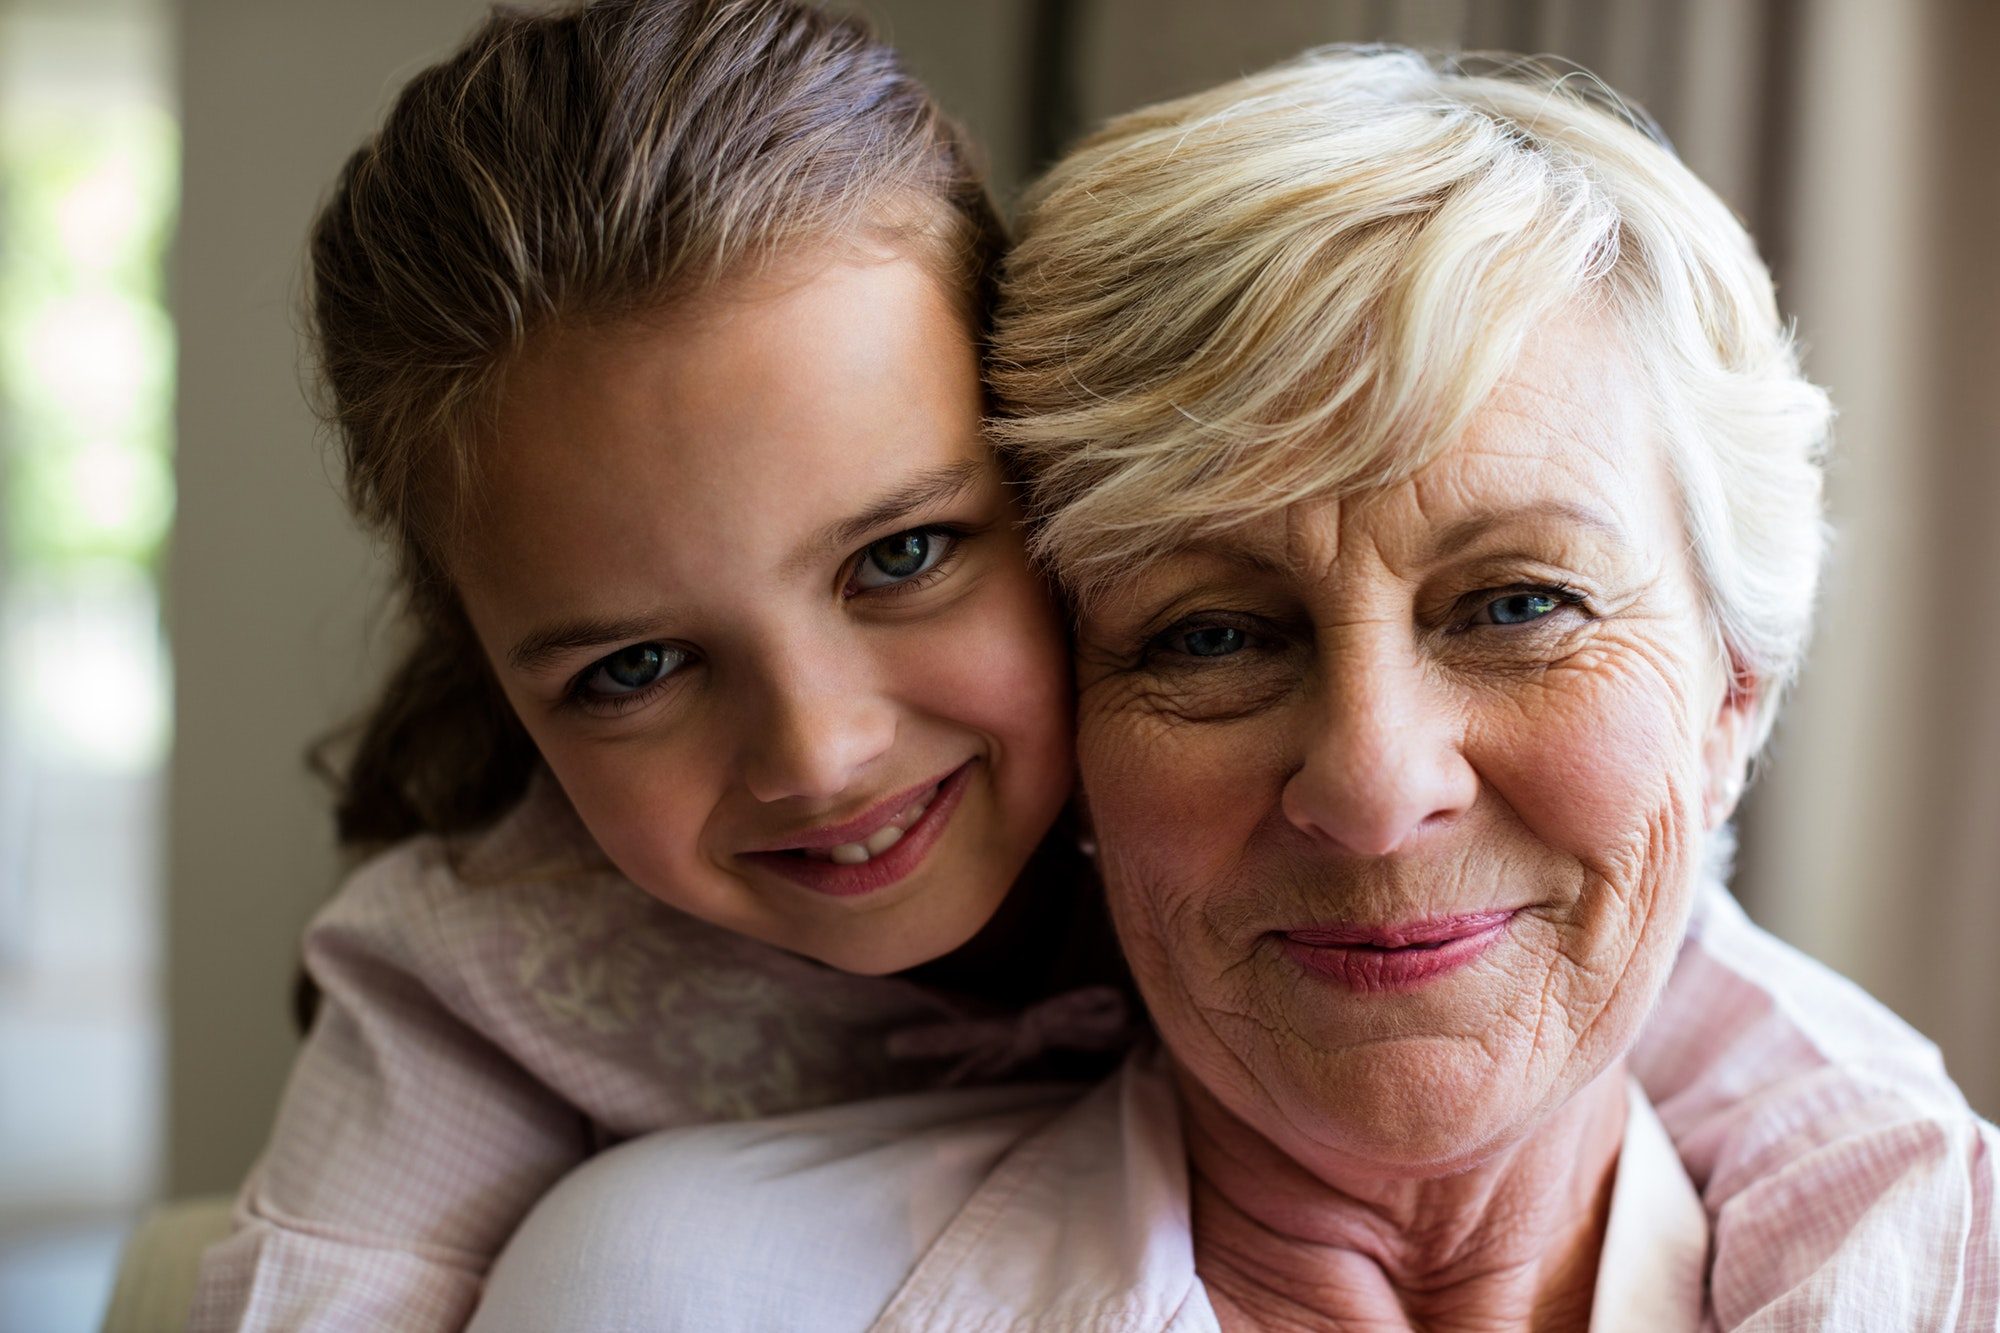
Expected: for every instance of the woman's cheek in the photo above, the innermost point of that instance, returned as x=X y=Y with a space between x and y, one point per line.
x=1596 y=764
x=1595 y=760
x=1166 y=837
x=1153 y=781
x=1176 y=808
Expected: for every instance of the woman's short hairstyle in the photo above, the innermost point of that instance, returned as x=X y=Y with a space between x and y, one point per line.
x=1304 y=283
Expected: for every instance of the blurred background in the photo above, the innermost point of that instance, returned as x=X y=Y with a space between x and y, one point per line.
x=184 y=606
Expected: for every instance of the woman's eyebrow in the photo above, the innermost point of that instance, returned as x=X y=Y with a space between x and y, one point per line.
x=534 y=651
x=1455 y=537
x=933 y=486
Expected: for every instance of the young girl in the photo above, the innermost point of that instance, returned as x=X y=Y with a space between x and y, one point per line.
x=652 y=333
x=721 y=778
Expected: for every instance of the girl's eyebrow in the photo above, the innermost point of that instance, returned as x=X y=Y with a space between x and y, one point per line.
x=934 y=486
x=536 y=650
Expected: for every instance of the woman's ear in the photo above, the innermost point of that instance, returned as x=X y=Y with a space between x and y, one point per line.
x=1086 y=833
x=1725 y=749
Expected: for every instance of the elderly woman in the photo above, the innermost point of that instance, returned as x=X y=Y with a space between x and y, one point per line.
x=1439 y=497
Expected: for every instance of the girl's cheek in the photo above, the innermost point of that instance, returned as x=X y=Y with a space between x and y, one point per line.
x=643 y=804
x=1001 y=668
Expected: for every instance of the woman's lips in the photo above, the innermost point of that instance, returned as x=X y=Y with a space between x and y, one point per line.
x=896 y=860
x=1396 y=957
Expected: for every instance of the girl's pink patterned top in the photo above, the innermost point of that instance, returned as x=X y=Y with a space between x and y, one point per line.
x=495 y=1009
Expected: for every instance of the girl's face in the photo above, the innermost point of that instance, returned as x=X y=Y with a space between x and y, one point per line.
x=751 y=581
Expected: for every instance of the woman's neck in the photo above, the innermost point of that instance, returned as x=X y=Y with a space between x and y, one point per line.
x=1510 y=1244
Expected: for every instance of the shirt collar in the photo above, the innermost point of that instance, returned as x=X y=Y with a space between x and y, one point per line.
x=1653 y=1270
x=1084 y=1226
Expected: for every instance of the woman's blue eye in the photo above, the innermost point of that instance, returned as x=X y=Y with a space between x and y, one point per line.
x=631 y=669
x=1521 y=607
x=1212 y=641
x=900 y=557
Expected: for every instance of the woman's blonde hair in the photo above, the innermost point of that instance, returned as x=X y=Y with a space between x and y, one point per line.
x=1305 y=282
x=587 y=164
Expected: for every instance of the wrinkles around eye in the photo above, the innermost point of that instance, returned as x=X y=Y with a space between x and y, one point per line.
x=1209 y=638
x=1159 y=672
x=1202 y=699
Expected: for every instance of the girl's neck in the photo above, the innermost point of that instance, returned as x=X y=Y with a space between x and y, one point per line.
x=1512 y=1243
x=1051 y=934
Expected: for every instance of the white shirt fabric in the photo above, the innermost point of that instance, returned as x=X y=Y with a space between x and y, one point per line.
x=960 y=1212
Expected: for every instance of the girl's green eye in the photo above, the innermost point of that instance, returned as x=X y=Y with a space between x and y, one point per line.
x=631 y=669
x=900 y=557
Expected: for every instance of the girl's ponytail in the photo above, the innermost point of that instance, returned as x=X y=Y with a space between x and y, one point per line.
x=439 y=752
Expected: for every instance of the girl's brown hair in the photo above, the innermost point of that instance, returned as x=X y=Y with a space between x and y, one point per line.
x=590 y=164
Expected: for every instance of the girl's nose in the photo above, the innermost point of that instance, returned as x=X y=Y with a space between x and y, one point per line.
x=1381 y=756
x=815 y=735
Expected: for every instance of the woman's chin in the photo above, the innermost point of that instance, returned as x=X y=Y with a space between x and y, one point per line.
x=1399 y=1110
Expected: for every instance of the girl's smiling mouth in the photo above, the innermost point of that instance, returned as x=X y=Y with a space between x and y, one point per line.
x=876 y=848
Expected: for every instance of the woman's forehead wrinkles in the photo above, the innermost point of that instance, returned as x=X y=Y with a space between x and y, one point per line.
x=1183 y=564
x=1569 y=515
x=1258 y=545
x=1554 y=411
x=1429 y=524
x=1492 y=482
x=1312 y=537
x=1509 y=436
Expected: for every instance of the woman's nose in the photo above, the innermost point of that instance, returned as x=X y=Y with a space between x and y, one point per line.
x=1381 y=757
x=814 y=733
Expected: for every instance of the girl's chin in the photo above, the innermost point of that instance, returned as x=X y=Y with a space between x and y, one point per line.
x=889 y=948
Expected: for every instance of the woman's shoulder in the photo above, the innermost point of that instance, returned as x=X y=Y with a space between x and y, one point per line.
x=1840 y=1165
x=1894 y=1224
x=1744 y=1012
x=808 y=1220
x=1033 y=1206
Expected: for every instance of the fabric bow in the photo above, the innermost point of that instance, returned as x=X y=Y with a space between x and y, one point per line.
x=1095 y=1018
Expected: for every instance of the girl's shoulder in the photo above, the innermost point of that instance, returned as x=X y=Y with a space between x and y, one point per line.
x=434 y=886
x=510 y=910
x=642 y=1015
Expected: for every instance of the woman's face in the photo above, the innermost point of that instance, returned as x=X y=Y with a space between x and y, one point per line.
x=752 y=583
x=1400 y=798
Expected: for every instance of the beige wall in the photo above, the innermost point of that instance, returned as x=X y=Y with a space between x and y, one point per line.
x=974 y=54
x=1882 y=817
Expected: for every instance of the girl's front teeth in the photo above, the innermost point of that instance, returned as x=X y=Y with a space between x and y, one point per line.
x=878 y=842
x=881 y=840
